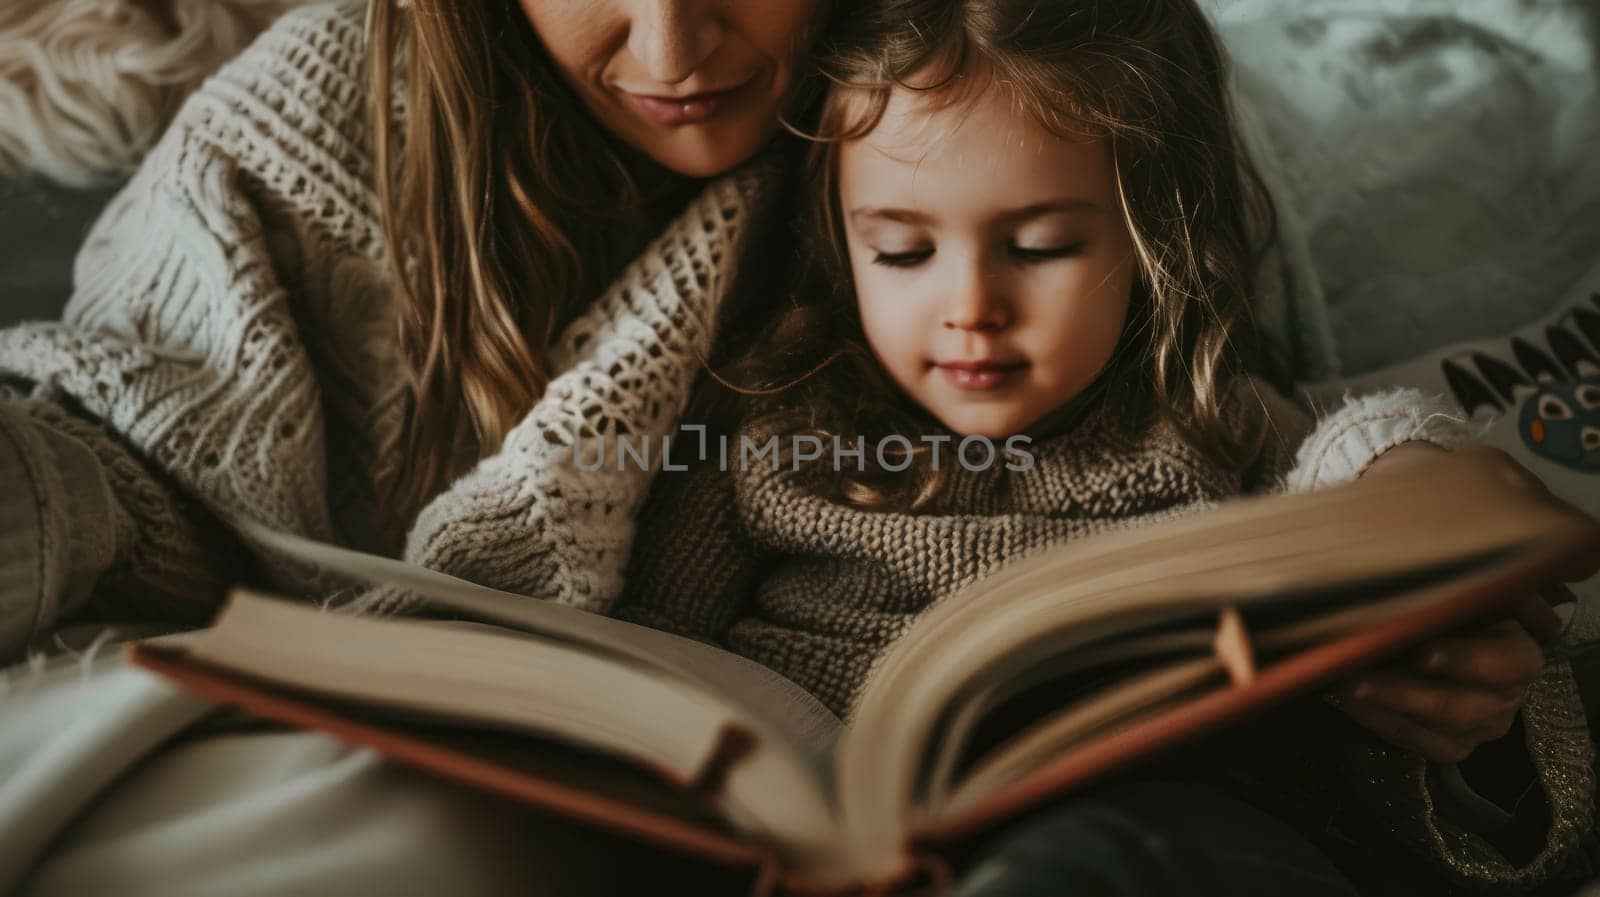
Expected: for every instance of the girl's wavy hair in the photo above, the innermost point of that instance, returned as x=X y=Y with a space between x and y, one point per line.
x=1148 y=77
x=501 y=201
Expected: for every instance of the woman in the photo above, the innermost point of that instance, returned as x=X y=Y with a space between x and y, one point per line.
x=242 y=337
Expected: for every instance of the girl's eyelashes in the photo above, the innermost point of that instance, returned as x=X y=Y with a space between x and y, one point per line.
x=1026 y=254
x=909 y=259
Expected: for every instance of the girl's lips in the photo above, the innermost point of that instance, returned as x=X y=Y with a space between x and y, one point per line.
x=979 y=376
x=674 y=111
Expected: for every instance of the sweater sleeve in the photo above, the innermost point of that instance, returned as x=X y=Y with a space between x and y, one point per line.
x=1344 y=443
x=88 y=522
x=217 y=294
x=551 y=514
x=1303 y=451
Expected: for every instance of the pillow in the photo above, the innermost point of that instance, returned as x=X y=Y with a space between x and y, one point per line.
x=41 y=228
x=1431 y=161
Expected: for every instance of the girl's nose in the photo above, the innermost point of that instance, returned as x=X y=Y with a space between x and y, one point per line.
x=977 y=301
x=672 y=38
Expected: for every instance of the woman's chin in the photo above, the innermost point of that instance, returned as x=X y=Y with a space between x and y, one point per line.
x=705 y=152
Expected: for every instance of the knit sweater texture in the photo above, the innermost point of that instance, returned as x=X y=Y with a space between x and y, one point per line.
x=229 y=348
x=816 y=589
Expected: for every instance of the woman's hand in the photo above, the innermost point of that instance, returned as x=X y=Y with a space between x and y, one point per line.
x=1456 y=693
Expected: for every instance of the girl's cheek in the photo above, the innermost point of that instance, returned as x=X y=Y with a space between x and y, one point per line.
x=880 y=323
x=893 y=329
x=882 y=295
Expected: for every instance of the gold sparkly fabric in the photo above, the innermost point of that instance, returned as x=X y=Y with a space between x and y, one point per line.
x=1393 y=782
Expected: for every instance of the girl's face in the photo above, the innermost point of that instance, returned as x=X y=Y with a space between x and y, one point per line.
x=697 y=85
x=990 y=259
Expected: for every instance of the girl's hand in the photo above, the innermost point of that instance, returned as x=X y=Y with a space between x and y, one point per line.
x=1458 y=692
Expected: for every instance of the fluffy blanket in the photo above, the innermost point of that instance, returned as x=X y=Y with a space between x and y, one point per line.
x=86 y=86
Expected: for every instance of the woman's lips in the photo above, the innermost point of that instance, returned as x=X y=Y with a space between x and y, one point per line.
x=979 y=375
x=674 y=111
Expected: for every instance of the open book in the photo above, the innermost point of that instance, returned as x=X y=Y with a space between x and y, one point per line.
x=1059 y=668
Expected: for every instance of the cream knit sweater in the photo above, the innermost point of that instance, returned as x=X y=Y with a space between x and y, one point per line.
x=229 y=348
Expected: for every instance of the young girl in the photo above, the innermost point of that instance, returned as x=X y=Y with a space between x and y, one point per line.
x=1032 y=223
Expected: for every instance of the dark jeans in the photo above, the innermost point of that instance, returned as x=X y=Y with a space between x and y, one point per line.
x=1151 y=839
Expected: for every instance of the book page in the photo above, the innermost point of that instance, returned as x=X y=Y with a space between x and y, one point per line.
x=1247 y=554
x=778 y=706
x=1073 y=701
x=472 y=675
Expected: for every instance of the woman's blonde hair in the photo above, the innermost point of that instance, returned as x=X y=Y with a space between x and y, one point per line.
x=504 y=206
x=1148 y=77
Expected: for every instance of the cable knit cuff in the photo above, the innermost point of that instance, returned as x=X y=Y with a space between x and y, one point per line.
x=23 y=565
x=1345 y=443
x=58 y=534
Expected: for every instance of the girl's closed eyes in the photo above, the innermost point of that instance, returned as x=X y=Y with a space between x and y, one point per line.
x=1024 y=254
x=904 y=259
x=1041 y=236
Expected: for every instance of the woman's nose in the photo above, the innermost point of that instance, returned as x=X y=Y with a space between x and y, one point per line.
x=977 y=301
x=673 y=37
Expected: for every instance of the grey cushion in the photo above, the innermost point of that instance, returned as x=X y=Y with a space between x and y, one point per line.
x=41 y=228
